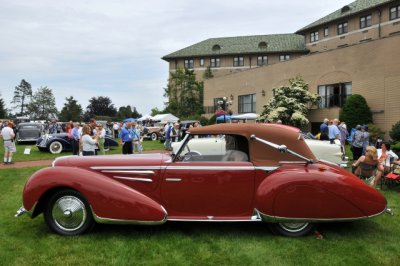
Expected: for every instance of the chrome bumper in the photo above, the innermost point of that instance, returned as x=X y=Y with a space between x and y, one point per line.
x=21 y=211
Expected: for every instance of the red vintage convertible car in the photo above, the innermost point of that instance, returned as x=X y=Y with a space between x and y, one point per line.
x=264 y=173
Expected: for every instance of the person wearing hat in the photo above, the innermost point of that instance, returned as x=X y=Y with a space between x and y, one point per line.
x=8 y=139
x=357 y=143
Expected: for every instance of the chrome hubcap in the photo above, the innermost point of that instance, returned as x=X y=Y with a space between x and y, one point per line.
x=293 y=227
x=69 y=213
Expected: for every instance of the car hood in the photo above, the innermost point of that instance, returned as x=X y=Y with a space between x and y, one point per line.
x=112 y=161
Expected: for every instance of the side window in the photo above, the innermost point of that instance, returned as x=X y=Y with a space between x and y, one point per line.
x=219 y=148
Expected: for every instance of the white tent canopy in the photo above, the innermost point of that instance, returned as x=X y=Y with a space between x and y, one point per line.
x=165 y=118
x=145 y=117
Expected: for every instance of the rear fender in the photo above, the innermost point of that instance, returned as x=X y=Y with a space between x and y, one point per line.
x=316 y=192
x=109 y=199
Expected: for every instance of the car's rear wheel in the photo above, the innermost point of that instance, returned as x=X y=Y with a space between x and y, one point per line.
x=154 y=136
x=68 y=213
x=292 y=229
x=55 y=147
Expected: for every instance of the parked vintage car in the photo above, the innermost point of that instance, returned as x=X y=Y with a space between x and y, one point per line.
x=153 y=133
x=28 y=132
x=266 y=174
x=56 y=143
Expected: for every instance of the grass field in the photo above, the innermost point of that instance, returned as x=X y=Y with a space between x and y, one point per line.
x=25 y=241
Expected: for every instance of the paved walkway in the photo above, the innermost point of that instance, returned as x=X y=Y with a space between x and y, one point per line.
x=48 y=162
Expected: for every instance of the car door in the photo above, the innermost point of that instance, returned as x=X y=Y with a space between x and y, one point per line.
x=208 y=190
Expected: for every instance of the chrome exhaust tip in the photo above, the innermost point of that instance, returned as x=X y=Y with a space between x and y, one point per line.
x=389 y=211
x=20 y=212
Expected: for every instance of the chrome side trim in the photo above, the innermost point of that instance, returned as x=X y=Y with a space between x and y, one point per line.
x=212 y=220
x=149 y=180
x=136 y=172
x=217 y=168
x=266 y=168
x=291 y=162
x=103 y=220
x=270 y=218
x=173 y=179
x=105 y=167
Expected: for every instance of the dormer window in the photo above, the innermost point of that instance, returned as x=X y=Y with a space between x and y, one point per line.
x=345 y=9
x=262 y=45
x=216 y=48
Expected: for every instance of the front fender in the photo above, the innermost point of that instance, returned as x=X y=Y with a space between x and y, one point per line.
x=109 y=199
x=317 y=192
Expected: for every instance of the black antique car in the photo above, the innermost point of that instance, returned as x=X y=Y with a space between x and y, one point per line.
x=28 y=132
x=56 y=143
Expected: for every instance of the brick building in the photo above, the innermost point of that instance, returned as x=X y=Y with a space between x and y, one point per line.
x=354 y=50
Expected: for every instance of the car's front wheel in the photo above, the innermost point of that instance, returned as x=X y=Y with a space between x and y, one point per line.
x=55 y=147
x=154 y=136
x=68 y=213
x=292 y=229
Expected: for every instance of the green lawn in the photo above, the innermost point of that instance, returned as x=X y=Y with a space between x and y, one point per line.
x=25 y=241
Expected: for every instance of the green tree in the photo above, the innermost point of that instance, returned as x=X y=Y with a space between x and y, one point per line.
x=3 y=110
x=395 y=132
x=43 y=104
x=355 y=111
x=155 y=111
x=22 y=97
x=290 y=103
x=100 y=106
x=72 y=110
x=124 y=112
x=208 y=73
x=185 y=94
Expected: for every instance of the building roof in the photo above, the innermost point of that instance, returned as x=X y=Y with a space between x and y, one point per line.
x=347 y=10
x=275 y=43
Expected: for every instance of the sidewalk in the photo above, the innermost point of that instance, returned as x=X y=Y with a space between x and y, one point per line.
x=48 y=162
x=27 y=164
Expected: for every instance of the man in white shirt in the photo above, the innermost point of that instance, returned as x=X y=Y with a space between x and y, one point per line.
x=8 y=139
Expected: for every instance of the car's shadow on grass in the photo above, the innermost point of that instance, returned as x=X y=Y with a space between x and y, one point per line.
x=230 y=229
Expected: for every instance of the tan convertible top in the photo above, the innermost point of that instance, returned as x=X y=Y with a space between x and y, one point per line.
x=260 y=153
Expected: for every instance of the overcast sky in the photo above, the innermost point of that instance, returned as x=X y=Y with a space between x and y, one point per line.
x=91 y=48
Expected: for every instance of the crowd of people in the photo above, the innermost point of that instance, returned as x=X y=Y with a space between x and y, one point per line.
x=371 y=160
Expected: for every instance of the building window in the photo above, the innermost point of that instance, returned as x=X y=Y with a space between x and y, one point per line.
x=342 y=28
x=201 y=62
x=189 y=63
x=215 y=62
x=326 y=32
x=284 y=57
x=334 y=95
x=395 y=12
x=365 y=21
x=238 y=61
x=247 y=103
x=314 y=36
x=262 y=60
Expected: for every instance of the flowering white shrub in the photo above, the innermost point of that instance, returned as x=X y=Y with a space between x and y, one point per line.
x=289 y=103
